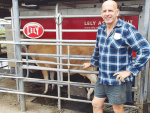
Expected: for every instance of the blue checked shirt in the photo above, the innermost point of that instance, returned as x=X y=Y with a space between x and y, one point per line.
x=114 y=53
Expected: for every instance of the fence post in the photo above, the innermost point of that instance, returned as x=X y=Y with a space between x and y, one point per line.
x=145 y=73
x=16 y=31
x=58 y=52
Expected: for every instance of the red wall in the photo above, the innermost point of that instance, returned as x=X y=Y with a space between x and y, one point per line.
x=75 y=23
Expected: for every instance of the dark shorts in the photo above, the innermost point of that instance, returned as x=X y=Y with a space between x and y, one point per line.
x=116 y=94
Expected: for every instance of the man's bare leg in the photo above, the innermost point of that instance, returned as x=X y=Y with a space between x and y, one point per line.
x=97 y=104
x=118 y=108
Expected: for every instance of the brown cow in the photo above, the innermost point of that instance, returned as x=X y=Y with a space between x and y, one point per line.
x=74 y=50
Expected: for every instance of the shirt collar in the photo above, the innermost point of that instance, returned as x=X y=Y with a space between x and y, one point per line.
x=119 y=23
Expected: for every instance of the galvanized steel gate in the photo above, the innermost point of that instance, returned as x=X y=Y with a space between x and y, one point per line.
x=140 y=89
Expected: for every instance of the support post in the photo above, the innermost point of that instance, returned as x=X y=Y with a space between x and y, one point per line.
x=16 y=31
x=148 y=38
x=145 y=73
x=58 y=51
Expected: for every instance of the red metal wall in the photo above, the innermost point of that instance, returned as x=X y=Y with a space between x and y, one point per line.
x=75 y=23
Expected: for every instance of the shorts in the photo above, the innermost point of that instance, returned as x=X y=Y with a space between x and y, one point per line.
x=116 y=94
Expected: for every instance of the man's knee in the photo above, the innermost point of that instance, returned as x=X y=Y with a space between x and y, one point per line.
x=118 y=108
x=97 y=102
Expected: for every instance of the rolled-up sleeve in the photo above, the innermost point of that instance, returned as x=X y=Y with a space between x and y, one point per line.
x=142 y=49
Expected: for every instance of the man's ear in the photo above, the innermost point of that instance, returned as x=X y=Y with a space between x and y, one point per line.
x=101 y=12
x=118 y=12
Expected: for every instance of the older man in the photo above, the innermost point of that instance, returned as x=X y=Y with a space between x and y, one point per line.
x=113 y=55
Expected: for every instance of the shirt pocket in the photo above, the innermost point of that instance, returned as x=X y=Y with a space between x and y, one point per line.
x=116 y=43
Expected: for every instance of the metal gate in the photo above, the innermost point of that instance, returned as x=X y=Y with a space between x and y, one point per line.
x=141 y=81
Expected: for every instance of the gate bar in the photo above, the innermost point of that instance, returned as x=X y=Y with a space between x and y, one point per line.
x=36 y=80
x=68 y=71
x=52 y=40
x=30 y=17
x=47 y=62
x=64 y=16
x=62 y=98
x=79 y=16
x=45 y=30
x=68 y=30
x=79 y=30
x=60 y=49
x=63 y=44
x=39 y=61
x=55 y=69
x=54 y=55
x=28 y=43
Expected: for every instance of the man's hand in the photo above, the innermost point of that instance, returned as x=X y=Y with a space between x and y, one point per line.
x=122 y=75
x=87 y=65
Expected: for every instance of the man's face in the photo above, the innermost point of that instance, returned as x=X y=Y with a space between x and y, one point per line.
x=109 y=12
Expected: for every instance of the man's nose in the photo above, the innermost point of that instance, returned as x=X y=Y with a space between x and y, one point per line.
x=107 y=12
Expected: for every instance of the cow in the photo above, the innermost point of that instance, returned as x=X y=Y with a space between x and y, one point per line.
x=74 y=50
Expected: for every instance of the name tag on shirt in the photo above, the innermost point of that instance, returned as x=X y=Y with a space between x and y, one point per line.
x=117 y=36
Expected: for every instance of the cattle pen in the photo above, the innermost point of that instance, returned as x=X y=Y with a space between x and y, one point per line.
x=69 y=26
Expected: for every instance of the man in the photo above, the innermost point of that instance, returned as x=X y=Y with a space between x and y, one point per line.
x=113 y=55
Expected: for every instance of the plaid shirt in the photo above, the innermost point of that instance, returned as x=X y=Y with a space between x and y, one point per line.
x=114 y=53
